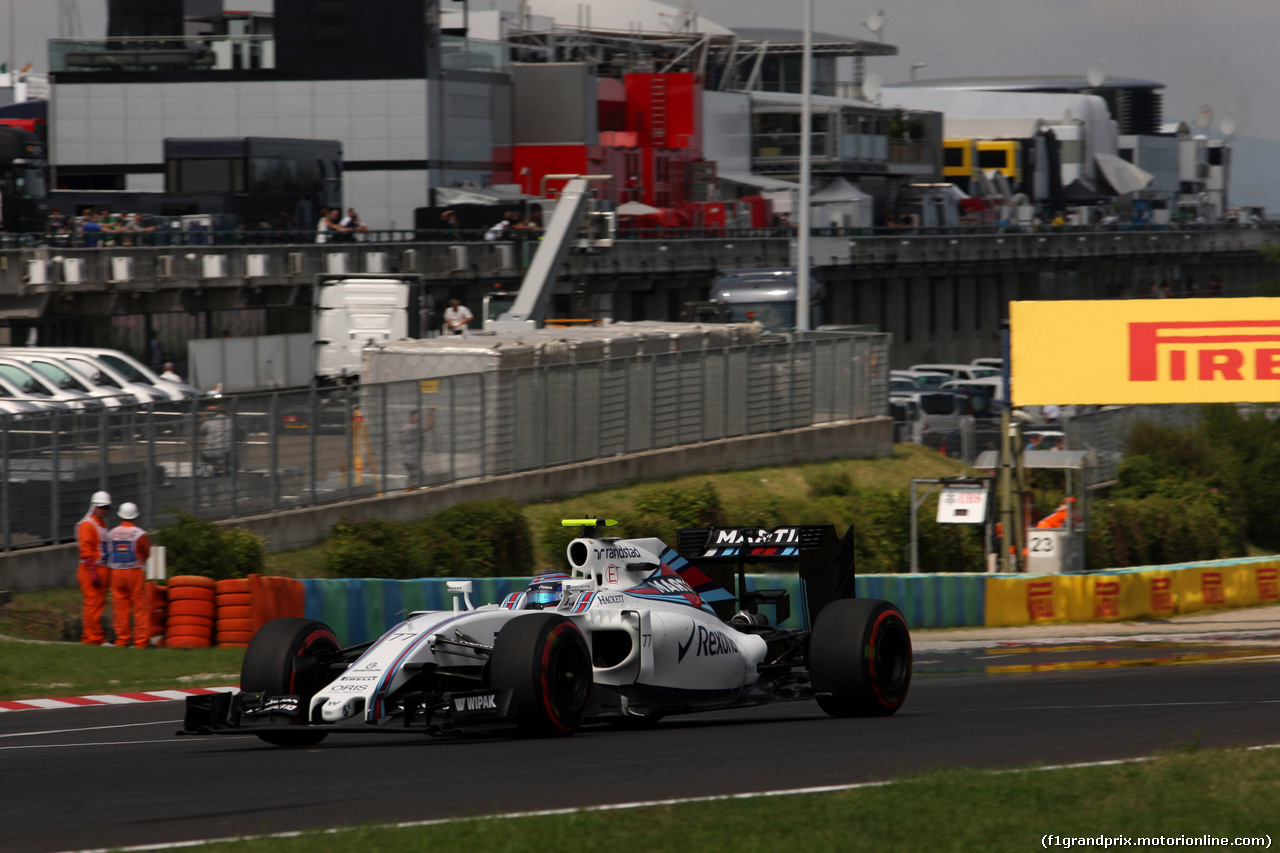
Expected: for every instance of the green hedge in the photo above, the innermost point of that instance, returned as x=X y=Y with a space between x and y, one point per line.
x=197 y=546
x=475 y=539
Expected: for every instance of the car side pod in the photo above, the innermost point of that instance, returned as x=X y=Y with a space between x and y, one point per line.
x=860 y=658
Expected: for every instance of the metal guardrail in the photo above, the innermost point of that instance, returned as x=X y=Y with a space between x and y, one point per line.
x=254 y=453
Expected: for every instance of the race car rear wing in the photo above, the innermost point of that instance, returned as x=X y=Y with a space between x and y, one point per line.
x=823 y=559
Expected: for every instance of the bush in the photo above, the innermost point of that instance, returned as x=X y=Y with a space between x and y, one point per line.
x=369 y=549
x=246 y=551
x=1162 y=529
x=826 y=481
x=488 y=538
x=197 y=546
x=474 y=539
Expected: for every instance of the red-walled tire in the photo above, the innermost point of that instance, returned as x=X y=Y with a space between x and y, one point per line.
x=544 y=660
x=860 y=658
x=268 y=668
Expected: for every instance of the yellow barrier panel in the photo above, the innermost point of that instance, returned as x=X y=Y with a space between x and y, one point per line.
x=1154 y=593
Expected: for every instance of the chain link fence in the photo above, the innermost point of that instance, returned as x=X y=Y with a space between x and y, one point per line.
x=253 y=453
x=1106 y=431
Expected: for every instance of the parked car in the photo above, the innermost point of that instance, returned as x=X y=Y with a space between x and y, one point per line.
x=69 y=378
x=32 y=384
x=959 y=371
x=101 y=373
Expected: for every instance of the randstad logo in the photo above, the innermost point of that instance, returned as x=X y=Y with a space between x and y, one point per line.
x=1204 y=351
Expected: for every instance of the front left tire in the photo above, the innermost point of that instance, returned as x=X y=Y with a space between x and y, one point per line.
x=286 y=657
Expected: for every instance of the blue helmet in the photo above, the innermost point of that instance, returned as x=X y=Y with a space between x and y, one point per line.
x=544 y=593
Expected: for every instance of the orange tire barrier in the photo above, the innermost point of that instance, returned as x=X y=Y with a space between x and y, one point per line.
x=186 y=642
x=234 y=599
x=184 y=607
x=236 y=611
x=192 y=580
x=242 y=625
x=190 y=593
x=202 y=622
x=276 y=597
x=232 y=585
x=191 y=609
x=158 y=595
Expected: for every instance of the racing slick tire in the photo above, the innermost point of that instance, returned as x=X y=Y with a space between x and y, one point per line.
x=860 y=658
x=269 y=668
x=544 y=660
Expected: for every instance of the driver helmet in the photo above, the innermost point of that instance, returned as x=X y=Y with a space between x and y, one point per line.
x=544 y=593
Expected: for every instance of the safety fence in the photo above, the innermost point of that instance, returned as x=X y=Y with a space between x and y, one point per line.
x=254 y=453
x=1106 y=431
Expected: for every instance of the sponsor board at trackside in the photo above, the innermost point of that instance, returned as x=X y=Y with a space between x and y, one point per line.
x=1145 y=351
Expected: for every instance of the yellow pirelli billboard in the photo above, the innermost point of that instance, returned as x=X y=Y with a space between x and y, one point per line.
x=1145 y=351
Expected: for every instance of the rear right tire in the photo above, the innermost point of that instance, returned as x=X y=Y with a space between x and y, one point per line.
x=860 y=658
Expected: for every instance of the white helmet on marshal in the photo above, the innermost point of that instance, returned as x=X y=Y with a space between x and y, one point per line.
x=128 y=511
x=100 y=499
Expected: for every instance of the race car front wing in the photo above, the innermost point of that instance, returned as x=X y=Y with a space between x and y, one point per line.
x=436 y=713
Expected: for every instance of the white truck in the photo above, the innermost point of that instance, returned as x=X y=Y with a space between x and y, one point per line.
x=349 y=312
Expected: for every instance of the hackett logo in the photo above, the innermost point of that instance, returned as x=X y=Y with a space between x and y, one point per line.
x=1205 y=351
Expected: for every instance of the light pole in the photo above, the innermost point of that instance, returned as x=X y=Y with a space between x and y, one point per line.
x=806 y=168
x=916 y=66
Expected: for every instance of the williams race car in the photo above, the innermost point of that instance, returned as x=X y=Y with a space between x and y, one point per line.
x=634 y=631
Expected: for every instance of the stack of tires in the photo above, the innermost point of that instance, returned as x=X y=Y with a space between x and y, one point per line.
x=234 y=617
x=189 y=618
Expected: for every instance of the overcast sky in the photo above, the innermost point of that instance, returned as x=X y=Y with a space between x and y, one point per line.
x=1214 y=52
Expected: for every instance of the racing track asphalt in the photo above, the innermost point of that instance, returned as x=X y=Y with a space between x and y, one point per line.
x=117 y=775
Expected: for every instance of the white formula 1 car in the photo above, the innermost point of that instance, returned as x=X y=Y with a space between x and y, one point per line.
x=630 y=634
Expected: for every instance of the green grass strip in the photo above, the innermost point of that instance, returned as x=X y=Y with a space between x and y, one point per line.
x=52 y=670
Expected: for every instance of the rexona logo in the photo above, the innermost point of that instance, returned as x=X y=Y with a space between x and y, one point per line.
x=1212 y=351
x=1040 y=600
x=1211 y=588
x=710 y=643
x=1106 y=600
x=1268 y=588
x=1162 y=595
x=483 y=702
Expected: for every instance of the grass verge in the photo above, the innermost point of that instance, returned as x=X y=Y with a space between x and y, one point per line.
x=49 y=670
x=1220 y=793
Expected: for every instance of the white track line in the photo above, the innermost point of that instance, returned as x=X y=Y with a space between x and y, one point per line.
x=610 y=807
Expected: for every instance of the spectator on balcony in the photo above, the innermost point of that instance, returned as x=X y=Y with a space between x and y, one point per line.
x=353 y=224
x=170 y=373
x=90 y=230
x=449 y=221
x=134 y=229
